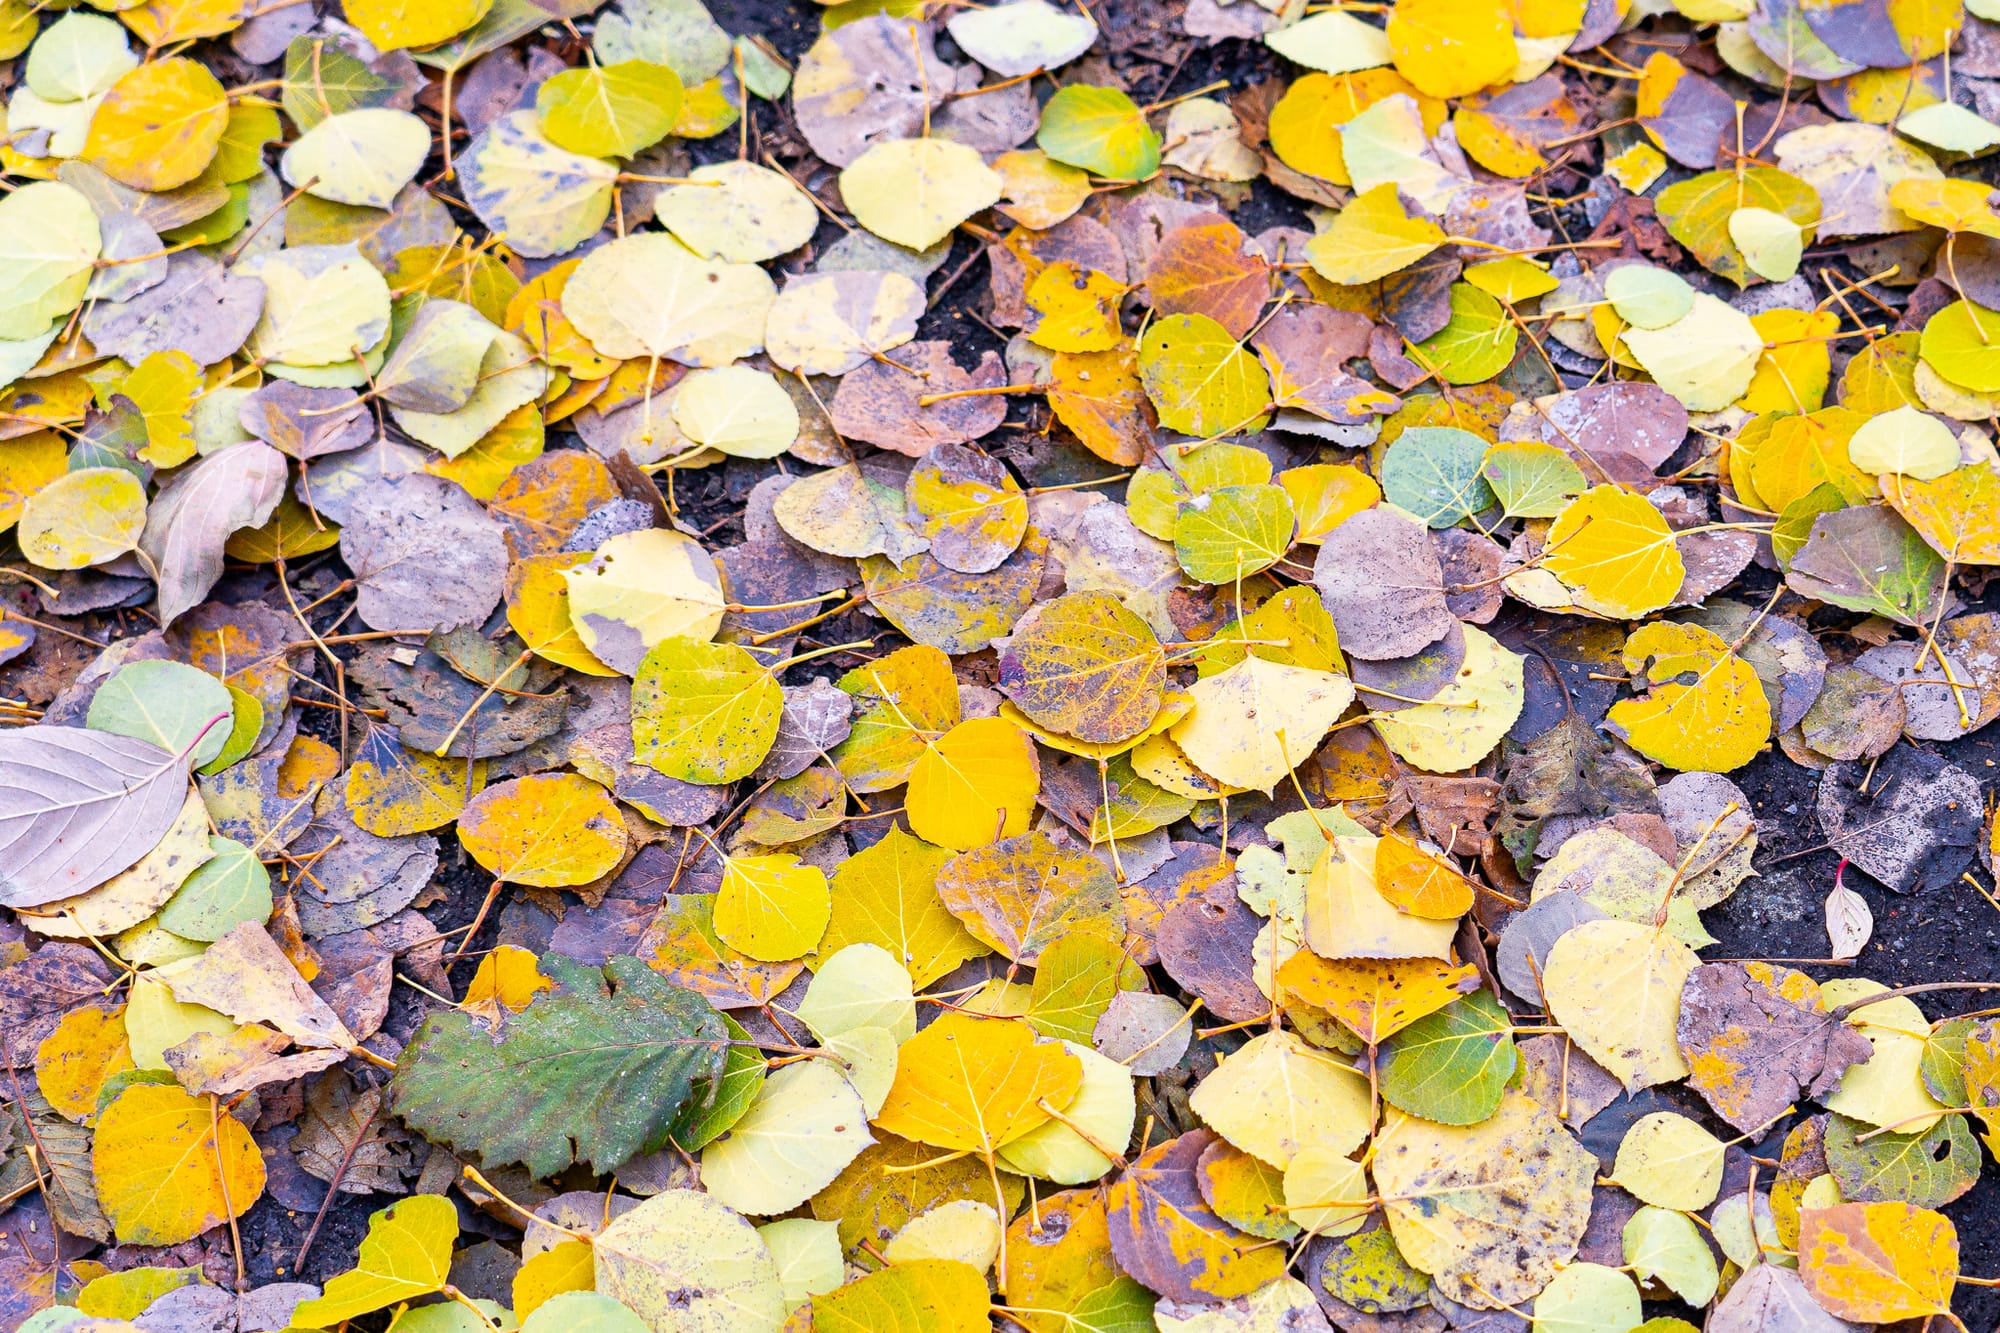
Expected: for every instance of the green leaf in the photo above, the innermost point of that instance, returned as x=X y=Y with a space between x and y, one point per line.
x=720 y=1100
x=538 y=1096
x=610 y=110
x=1532 y=479
x=170 y=704
x=1451 y=1066
x=232 y=887
x=1075 y=982
x=1475 y=344
x=1926 y=1170
x=1869 y=560
x=1434 y=472
x=1234 y=532
x=1101 y=130
x=406 y=1254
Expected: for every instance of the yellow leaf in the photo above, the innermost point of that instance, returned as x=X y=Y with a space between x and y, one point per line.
x=394 y=24
x=169 y=1166
x=393 y=791
x=1419 y=883
x=1716 y=724
x=773 y=908
x=87 y=1047
x=538 y=611
x=975 y=784
x=565 y=1266
x=1616 y=986
x=1346 y=916
x=1669 y=1161
x=1461 y=723
x=1374 y=997
x=548 y=830
x=1078 y=308
x=159 y=126
x=1448 y=48
x=917 y=1296
x=1878 y=1262
x=887 y=895
x=1615 y=553
x=1200 y=380
x=1371 y=238
x=1254 y=721
x=406 y=1254
x=976 y=1084
x=1277 y=1096
x=1954 y=513
x=507 y=979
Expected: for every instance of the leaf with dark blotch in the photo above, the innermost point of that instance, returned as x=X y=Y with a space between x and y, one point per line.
x=1756 y=1043
x=595 y=1072
x=1165 y=1234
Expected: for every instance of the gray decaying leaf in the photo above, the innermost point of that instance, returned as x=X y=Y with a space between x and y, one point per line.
x=77 y=807
x=1526 y=940
x=191 y=518
x=1471 y=565
x=347 y=1139
x=204 y=1309
x=1758 y=1052
x=1572 y=1086
x=328 y=485
x=817 y=717
x=1410 y=680
x=356 y=878
x=61 y=1165
x=1912 y=825
x=1772 y=1299
x=1942 y=700
x=1857 y=715
x=425 y=698
x=1715 y=841
x=127 y=238
x=865 y=83
x=306 y=423
x=425 y=555
x=1147 y=1033
x=198 y=309
x=885 y=404
x=1383 y=586
x=1614 y=432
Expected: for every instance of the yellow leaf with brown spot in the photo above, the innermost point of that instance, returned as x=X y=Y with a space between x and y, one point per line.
x=1078 y=309
x=548 y=830
x=1956 y=513
x=1374 y=997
